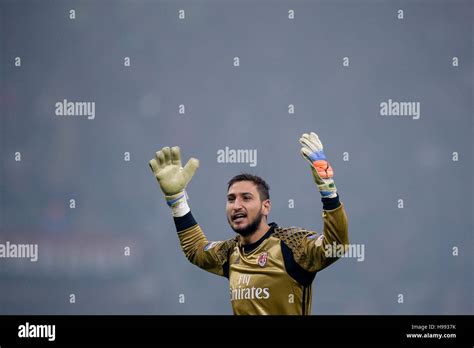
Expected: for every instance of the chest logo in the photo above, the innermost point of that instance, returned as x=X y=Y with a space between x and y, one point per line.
x=262 y=259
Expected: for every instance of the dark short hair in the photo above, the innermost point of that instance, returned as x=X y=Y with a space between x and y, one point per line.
x=262 y=187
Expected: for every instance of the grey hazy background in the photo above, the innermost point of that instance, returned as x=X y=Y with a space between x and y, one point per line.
x=81 y=251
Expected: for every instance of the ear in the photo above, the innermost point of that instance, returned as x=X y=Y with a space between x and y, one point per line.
x=266 y=207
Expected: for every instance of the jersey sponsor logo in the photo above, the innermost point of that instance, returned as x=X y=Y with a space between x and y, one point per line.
x=247 y=293
x=262 y=259
x=210 y=245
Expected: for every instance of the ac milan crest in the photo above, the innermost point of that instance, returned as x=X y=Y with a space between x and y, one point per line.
x=262 y=259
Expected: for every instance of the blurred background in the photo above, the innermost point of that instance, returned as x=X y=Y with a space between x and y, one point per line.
x=190 y=62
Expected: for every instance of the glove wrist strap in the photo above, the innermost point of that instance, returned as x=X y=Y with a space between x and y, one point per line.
x=327 y=188
x=178 y=203
x=327 y=194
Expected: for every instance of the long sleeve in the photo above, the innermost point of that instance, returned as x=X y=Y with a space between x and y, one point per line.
x=210 y=256
x=317 y=251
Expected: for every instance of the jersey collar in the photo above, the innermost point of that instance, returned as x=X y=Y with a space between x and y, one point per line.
x=251 y=247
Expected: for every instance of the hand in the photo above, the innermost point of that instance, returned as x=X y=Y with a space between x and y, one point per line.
x=168 y=170
x=312 y=151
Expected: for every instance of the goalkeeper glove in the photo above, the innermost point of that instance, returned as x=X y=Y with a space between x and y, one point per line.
x=312 y=151
x=173 y=178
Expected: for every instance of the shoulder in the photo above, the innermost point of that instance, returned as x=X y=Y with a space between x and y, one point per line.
x=293 y=237
x=293 y=250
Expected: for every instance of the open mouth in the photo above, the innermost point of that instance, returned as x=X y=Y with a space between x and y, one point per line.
x=239 y=217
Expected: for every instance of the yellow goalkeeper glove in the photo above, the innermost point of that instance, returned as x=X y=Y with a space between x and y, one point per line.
x=173 y=178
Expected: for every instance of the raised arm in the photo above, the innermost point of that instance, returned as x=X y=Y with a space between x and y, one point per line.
x=317 y=251
x=173 y=179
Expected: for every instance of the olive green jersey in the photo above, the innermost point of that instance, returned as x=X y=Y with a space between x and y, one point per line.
x=275 y=274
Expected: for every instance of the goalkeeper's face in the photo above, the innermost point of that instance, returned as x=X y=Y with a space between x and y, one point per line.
x=245 y=209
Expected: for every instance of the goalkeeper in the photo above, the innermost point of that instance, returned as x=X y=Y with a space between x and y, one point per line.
x=270 y=268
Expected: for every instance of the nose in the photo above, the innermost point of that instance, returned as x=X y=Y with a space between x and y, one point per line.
x=237 y=204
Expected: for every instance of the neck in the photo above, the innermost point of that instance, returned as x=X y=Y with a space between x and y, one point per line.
x=259 y=233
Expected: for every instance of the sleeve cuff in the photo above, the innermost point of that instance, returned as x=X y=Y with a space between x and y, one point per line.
x=184 y=222
x=331 y=203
